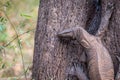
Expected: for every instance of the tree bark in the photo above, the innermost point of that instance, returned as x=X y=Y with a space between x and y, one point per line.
x=52 y=57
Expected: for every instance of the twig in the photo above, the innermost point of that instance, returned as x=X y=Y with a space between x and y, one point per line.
x=15 y=39
x=18 y=43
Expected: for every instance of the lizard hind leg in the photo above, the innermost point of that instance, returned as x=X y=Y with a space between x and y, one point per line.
x=118 y=73
x=105 y=20
x=76 y=72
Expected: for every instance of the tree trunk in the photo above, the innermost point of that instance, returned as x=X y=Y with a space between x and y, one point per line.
x=53 y=57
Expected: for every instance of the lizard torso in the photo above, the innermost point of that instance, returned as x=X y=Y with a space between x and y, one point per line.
x=100 y=65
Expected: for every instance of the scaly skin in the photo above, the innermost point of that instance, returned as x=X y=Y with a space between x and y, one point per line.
x=100 y=64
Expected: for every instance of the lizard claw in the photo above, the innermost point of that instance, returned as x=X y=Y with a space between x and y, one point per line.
x=118 y=58
x=118 y=73
x=110 y=8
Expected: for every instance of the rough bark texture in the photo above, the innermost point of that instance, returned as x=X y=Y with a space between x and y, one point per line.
x=52 y=57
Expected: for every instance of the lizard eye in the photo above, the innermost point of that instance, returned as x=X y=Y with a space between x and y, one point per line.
x=85 y=44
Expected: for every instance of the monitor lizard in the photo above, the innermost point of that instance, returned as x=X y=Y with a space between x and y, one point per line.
x=100 y=65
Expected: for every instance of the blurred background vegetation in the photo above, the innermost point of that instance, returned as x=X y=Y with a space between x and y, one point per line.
x=18 y=20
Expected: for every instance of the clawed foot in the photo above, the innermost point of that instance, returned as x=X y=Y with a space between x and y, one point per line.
x=72 y=70
x=118 y=73
x=110 y=6
x=109 y=9
x=77 y=71
x=118 y=58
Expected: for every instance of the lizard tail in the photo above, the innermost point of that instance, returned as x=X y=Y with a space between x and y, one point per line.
x=95 y=22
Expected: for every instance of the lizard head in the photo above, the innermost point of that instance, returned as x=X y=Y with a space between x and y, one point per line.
x=67 y=33
x=77 y=33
